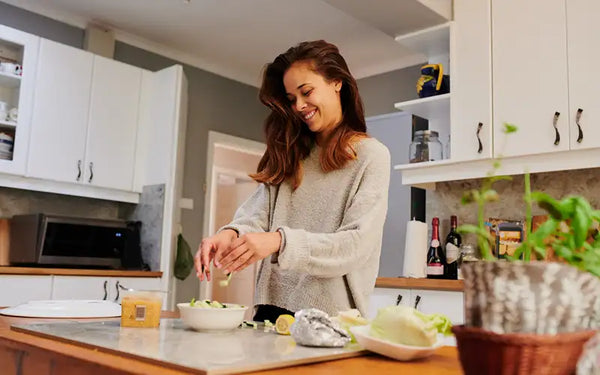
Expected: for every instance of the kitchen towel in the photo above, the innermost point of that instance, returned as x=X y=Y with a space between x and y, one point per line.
x=415 y=249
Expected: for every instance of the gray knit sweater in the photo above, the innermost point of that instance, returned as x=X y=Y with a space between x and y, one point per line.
x=331 y=229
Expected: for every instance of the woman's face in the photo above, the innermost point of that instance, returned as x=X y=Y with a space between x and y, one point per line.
x=315 y=100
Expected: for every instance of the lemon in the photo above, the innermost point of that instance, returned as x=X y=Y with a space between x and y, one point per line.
x=283 y=324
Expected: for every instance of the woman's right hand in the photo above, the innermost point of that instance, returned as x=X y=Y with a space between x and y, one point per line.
x=207 y=249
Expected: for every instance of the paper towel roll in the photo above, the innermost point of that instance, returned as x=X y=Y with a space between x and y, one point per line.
x=415 y=249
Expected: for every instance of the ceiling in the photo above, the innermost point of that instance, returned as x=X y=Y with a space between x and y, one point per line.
x=235 y=38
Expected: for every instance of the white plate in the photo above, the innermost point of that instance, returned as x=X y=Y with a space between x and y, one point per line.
x=390 y=349
x=65 y=309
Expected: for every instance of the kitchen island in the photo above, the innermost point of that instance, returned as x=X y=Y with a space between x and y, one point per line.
x=27 y=354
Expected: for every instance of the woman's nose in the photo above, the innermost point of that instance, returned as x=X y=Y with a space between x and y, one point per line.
x=300 y=105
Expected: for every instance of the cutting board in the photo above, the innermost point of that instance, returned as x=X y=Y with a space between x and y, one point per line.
x=176 y=346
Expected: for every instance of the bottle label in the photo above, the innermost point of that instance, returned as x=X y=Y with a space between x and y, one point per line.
x=451 y=252
x=435 y=269
x=435 y=243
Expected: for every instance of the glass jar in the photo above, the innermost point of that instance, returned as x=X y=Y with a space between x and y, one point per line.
x=425 y=146
x=467 y=254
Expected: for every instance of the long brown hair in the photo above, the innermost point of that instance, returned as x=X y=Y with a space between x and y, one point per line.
x=289 y=140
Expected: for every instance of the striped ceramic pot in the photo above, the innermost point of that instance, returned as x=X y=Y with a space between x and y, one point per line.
x=534 y=297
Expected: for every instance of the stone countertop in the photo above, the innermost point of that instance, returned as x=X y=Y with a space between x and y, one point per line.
x=29 y=354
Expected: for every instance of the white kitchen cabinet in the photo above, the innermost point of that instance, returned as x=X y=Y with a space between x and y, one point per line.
x=84 y=118
x=60 y=113
x=382 y=297
x=17 y=289
x=441 y=302
x=530 y=81
x=471 y=81
x=112 y=126
x=583 y=32
x=17 y=92
x=95 y=287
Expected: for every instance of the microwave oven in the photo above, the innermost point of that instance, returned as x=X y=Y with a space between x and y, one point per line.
x=52 y=240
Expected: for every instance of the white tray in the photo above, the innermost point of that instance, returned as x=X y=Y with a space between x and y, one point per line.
x=65 y=309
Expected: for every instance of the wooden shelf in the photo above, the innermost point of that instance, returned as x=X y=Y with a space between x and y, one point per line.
x=76 y=272
x=431 y=108
x=430 y=42
x=9 y=80
x=413 y=283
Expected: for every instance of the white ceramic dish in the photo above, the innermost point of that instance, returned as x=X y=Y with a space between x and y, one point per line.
x=211 y=319
x=65 y=309
x=390 y=349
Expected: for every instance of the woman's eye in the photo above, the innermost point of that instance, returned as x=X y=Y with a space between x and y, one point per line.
x=307 y=93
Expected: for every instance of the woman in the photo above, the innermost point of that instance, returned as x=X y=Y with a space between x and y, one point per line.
x=317 y=218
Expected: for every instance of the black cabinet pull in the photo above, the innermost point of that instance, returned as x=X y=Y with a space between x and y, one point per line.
x=417 y=300
x=91 y=172
x=554 y=123
x=78 y=170
x=105 y=290
x=577 y=118
x=399 y=299
x=480 y=149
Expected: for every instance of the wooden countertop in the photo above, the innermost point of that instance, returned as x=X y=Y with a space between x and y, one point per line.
x=76 y=272
x=25 y=354
x=414 y=283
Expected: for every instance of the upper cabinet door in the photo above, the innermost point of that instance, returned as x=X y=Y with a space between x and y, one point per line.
x=471 y=104
x=530 y=76
x=584 y=53
x=60 y=113
x=111 y=138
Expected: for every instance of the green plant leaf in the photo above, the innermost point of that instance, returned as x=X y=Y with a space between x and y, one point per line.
x=499 y=178
x=580 y=224
x=549 y=204
x=468 y=228
x=544 y=231
x=490 y=196
x=540 y=251
x=509 y=128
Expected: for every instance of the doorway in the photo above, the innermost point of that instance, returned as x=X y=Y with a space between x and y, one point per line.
x=229 y=162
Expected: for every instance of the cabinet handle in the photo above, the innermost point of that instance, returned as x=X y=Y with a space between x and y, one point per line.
x=480 y=149
x=577 y=118
x=91 y=172
x=119 y=287
x=78 y=170
x=554 y=123
x=399 y=299
x=105 y=290
x=417 y=300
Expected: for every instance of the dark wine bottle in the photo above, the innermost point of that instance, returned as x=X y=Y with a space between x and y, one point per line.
x=436 y=259
x=453 y=242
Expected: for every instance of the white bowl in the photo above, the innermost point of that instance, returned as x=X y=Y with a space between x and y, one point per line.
x=211 y=319
x=390 y=349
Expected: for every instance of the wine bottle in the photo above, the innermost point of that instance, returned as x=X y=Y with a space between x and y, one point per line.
x=436 y=259
x=453 y=242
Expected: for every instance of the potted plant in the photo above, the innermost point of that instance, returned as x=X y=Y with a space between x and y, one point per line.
x=524 y=315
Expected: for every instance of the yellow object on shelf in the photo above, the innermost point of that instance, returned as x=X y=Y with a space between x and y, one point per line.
x=283 y=324
x=140 y=308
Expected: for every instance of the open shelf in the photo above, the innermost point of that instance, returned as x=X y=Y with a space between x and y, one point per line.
x=432 y=107
x=430 y=42
x=8 y=124
x=9 y=80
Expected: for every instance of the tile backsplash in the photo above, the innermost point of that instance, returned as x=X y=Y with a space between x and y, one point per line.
x=445 y=200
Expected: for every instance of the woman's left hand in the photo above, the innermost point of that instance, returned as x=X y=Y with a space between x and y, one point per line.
x=248 y=249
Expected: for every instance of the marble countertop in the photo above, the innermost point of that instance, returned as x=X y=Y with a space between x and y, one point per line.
x=240 y=350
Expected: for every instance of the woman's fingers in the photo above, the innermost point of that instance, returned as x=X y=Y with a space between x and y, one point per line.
x=235 y=253
x=226 y=256
x=206 y=250
x=243 y=264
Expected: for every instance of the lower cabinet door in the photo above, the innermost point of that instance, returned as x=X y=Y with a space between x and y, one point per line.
x=435 y=301
x=383 y=297
x=81 y=287
x=21 y=289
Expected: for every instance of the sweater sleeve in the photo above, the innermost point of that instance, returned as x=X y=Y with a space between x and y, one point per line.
x=338 y=253
x=253 y=214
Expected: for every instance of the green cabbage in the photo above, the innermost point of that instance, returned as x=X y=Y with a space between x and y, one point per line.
x=407 y=326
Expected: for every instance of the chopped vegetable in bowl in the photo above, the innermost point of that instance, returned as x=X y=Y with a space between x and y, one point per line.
x=208 y=304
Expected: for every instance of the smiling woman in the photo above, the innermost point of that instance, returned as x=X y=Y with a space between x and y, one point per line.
x=317 y=217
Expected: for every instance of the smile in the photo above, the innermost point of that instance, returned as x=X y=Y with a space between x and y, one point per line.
x=310 y=114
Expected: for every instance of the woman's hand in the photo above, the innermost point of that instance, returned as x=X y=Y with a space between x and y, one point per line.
x=248 y=249
x=220 y=242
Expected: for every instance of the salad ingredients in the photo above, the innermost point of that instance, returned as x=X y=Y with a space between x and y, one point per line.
x=207 y=304
x=225 y=282
x=407 y=326
x=283 y=324
x=350 y=318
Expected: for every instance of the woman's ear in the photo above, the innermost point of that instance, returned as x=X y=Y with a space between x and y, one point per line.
x=337 y=85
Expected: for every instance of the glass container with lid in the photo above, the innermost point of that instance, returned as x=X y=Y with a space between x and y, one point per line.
x=425 y=146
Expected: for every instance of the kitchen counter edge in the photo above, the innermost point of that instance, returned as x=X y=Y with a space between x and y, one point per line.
x=6 y=270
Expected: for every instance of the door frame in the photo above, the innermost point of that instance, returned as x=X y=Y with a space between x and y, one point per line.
x=217 y=139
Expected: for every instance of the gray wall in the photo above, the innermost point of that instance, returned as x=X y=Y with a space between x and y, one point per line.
x=380 y=92
x=215 y=103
